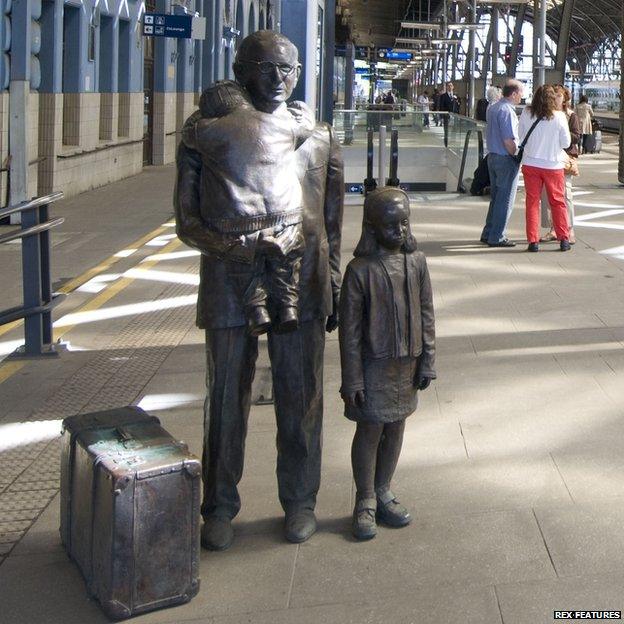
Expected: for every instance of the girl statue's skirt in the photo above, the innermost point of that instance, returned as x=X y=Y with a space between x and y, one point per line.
x=390 y=390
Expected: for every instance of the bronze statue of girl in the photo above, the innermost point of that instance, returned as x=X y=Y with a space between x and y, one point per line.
x=387 y=349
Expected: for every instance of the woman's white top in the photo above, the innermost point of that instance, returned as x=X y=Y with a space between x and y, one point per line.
x=423 y=100
x=545 y=146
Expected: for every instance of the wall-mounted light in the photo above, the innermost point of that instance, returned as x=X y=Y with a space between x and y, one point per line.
x=228 y=36
x=447 y=41
x=465 y=26
x=421 y=25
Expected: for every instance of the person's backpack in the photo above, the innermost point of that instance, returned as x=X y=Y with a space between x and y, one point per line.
x=481 y=178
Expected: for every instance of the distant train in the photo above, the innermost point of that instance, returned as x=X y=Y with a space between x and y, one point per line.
x=603 y=95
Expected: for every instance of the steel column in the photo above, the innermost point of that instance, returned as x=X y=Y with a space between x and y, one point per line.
x=471 y=60
x=515 y=42
x=539 y=43
x=563 y=40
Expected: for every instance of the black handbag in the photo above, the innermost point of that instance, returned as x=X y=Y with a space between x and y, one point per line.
x=518 y=155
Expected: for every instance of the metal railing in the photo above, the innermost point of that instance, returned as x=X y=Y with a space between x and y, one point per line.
x=460 y=178
x=36 y=276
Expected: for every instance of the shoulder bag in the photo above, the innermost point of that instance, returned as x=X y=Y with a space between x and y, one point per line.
x=518 y=156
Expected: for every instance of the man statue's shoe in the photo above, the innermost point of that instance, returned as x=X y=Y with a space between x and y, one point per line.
x=504 y=243
x=390 y=511
x=259 y=321
x=300 y=525
x=288 y=320
x=217 y=533
x=364 y=526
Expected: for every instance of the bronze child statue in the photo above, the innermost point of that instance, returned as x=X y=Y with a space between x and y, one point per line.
x=387 y=350
x=249 y=154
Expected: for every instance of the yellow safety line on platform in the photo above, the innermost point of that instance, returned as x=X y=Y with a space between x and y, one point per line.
x=78 y=281
x=116 y=287
x=7 y=369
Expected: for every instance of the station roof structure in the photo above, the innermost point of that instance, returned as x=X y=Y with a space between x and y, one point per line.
x=378 y=22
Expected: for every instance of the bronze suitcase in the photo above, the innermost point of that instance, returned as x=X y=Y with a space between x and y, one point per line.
x=130 y=510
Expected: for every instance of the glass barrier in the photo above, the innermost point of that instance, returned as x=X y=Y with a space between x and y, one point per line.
x=431 y=146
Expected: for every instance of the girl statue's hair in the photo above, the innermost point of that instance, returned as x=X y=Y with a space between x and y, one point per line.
x=374 y=205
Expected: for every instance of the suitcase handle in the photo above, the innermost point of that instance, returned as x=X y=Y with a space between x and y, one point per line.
x=124 y=434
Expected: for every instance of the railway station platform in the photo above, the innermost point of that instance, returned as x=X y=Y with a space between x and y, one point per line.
x=512 y=466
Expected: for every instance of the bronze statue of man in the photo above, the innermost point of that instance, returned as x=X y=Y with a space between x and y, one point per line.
x=267 y=67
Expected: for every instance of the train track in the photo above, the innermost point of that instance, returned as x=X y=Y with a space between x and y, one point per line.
x=610 y=122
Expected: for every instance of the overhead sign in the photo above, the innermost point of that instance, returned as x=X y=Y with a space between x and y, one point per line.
x=176 y=26
x=362 y=70
x=361 y=52
x=394 y=55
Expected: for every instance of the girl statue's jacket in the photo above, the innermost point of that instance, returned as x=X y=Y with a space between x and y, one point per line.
x=368 y=323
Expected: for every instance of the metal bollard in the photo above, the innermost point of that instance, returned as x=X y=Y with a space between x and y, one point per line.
x=393 y=180
x=369 y=183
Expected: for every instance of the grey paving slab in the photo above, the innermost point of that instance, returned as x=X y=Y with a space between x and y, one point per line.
x=187 y=358
x=478 y=485
x=56 y=584
x=535 y=602
x=446 y=605
x=585 y=540
x=485 y=548
x=592 y=470
x=44 y=535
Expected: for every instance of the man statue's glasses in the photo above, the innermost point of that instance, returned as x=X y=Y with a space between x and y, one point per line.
x=268 y=67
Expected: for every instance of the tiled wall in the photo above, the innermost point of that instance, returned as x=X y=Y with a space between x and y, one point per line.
x=4 y=143
x=185 y=106
x=109 y=116
x=93 y=161
x=165 y=119
x=32 y=139
x=33 y=144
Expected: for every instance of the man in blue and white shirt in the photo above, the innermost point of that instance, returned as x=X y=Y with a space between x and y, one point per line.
x=502 y=142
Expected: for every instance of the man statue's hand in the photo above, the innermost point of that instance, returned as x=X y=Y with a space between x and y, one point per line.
x=272 y=242
x=333 y=318
x=354 y=399
x=422 y=382
x=241 y=248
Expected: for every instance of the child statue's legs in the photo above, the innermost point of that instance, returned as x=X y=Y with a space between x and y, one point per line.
x=374 y=456
x=249 y=283
x=389 y=510
x=283 y=275
x=363 y=460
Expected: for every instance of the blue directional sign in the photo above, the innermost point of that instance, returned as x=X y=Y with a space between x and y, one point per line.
x=394 y=55
x=162 y=25
x=354 y=188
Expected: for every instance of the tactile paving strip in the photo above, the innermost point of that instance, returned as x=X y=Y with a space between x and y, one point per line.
x=30 y=474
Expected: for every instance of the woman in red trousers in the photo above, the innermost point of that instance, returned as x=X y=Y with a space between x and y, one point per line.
x=543 y=163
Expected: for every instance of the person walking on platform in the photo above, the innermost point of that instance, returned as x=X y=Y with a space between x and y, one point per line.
x=547 y=135
x=585 y=114
x=502 y=142
x=449 y=103
x=564 y=100
x=267 y=67
x=423 y=105
x=435 y=104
